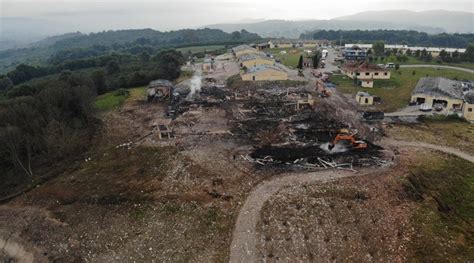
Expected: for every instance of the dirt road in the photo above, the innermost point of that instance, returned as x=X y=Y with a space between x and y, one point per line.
x=440 y=148
x=244 y=239
x=438 y=66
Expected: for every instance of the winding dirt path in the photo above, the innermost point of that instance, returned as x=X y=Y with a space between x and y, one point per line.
x=244 y=238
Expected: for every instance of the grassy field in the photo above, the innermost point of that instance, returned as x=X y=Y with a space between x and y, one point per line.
x=455 y=134
x=114 y=99
x=199 y=49
x=444 y=188
x=290 y=59
x=415 y=61
x=396 y=92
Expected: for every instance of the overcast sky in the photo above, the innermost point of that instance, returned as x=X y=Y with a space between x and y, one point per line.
x=88 y=15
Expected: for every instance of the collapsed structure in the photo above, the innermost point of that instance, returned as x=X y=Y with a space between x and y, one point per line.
x=159 y=89
x=365 y=72
x=452 y=95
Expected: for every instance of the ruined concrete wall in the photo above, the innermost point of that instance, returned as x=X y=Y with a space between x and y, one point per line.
x=468 y=111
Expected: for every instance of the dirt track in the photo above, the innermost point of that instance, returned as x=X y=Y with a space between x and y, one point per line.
x=244 y=239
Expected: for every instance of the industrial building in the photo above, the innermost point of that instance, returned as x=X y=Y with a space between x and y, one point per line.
x=264 y=73
x=365 y=72
x=433 y=91
x=242 y=50
x=255 y=59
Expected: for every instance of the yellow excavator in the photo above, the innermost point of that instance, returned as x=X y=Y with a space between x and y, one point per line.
x=345 y=137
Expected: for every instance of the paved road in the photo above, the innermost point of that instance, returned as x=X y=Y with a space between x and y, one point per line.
x=245 y=238
x=438 y=66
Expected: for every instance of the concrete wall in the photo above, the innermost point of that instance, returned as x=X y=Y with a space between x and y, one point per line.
x=367 y=83
x=371 y=74
x=265 y=75
x=429 y=100
x=468 y=111
x=365 y=100
x=255 y=62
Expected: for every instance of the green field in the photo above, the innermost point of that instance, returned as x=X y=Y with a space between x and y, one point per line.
x=109 y=101
x=444 y=189
x=290 y=59
x=199 y=49
x=396 y=92
x=415 y=61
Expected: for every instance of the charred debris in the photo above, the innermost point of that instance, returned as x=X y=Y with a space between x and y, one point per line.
x=288 y=127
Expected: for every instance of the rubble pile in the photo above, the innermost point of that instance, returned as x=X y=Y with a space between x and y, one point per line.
x=287 y=137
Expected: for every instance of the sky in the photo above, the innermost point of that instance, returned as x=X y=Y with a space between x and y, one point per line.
x=88 y=15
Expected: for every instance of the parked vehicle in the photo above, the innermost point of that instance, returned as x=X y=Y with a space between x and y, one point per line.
x=425 y=107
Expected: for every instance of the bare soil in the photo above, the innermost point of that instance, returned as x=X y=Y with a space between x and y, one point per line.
x=358 y=219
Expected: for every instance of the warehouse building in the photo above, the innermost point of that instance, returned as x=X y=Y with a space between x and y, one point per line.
x=264 y=73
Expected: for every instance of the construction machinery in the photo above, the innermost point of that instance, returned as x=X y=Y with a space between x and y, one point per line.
x=321 y=89
x=346 y=138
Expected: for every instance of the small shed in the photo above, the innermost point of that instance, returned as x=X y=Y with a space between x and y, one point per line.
x=159 y=89
x=364 y=98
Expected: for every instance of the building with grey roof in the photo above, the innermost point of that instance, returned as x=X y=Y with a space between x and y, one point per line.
x=433 y=91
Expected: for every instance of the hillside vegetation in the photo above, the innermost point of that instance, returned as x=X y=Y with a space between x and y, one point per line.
x=409 y=37
x=59 y=49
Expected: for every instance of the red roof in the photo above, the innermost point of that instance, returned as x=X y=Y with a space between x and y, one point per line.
x=362 y=66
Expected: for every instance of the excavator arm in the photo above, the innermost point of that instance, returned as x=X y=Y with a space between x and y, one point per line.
x=344 y=136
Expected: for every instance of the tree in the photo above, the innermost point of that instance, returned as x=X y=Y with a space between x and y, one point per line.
x=168 y=63
x=98 y=77
x=316 y=59
x=378 y=47
x=5 y=83
x=469 y=54
x=443 y=55
x=300 y=63
x=24 y=73
x=112 y=67
x=144 y=56
x=236 y=35
x=397 y=66
x=408 y=53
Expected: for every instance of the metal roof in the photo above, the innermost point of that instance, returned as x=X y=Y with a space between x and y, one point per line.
x=160 y=82
x=439 y=87
x=469 y=97
x=260 y=68
x=253 y=56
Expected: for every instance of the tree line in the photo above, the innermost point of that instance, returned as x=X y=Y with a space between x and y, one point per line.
x=110 y=72
x=379 y=52
x=51 y=118
x=408 y=37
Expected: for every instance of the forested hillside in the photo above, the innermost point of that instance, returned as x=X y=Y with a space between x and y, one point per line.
x=46 y=115
x=411 y=38
x=79 y=46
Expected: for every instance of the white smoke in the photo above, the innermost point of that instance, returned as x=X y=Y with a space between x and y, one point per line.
x=338 y=148
x=195 y=86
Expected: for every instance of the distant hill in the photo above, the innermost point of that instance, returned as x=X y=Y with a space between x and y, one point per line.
x=450 y=21
x=432 y=22
x=96 y=44
x=18 y=32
